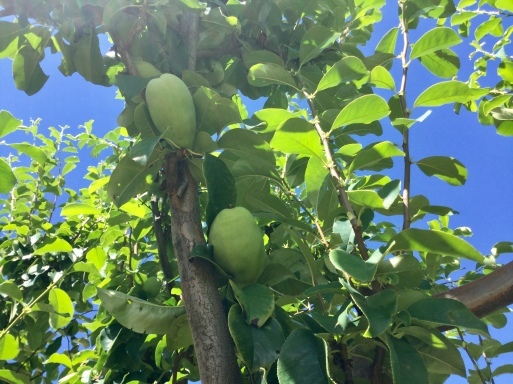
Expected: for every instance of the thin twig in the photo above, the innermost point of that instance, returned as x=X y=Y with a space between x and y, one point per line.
x=406 y=114
x=474 y=362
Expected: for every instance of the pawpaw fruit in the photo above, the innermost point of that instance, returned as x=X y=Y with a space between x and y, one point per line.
x=170 y=104
x=238 y=247
x=145 y=69
x=151 y=286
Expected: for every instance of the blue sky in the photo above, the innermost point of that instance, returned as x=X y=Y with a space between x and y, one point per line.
x=485 y=202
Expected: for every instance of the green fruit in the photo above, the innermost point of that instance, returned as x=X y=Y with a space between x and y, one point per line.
x=145 y=69
x=238 y=245
x=152 y=286
x=172 y=109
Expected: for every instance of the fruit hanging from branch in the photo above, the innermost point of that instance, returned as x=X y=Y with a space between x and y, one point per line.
x=172 y=109
x=238 y=245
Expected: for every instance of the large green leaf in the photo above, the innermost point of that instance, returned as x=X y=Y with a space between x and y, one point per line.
x=7 y=177
x=433 y=40
x=314 y=41
x=381 y=78
x=73 y=209
x=11 y=377
x=53 y=245
x=407 y=364
x=222 y=192
x=258 y=347
x=138 y=315
x=130 y=178
x=302 y=359
x=34 y=152
x=261 y=75
x=8 y=123
x=274 y=117
x=257 y=301
x=9 y=33
x=346 y=69
x=365 y=110
x=445 y=168
x=315 y=175
x=448 y=92
x=444 y=63
x=354 y=265
x=9 y=347
x=297 y=136
x=213 y=112
x=370 y=156
x=62 y=308
x=28 y=74
x=437 y=242
x=442 y=311
x=88 y=59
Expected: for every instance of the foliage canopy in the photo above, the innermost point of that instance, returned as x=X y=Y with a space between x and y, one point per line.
x=90 y=278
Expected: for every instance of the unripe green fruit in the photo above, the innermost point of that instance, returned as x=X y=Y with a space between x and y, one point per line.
x=152 y=286
x=170 y=104
x=145 y=69
x=238 y=245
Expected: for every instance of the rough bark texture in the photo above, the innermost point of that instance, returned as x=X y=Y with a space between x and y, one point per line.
x=215 y=352
x=487 y=294
x=213 y=344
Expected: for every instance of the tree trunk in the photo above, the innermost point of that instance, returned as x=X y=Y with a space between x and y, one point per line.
x=215 y=351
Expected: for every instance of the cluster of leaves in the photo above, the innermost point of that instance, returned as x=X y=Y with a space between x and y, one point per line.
x=344 y=281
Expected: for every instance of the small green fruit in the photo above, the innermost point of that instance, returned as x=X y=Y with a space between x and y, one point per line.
x=152 y=286
x=172 y=109
x=145 y=69
x=238 y=245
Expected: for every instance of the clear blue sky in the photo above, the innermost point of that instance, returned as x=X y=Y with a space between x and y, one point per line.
x=484 y=202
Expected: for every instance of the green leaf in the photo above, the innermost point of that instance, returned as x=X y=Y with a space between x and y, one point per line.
x=448 y=92
x=59 y=358
x=315 y=175
x=9 y=347
x=62 y=308
x=381 y=78
x=130 y=178
x=365 y=198
x=442 y=311
x=388 y=42
x=138 y=315
x=35 y=153
x=97 y=256
x=273 y=117
x=370 y=156
x=143 y=149
x=407 y=364
x=7 y=178
x=433 y=40
x=406 y=270
x=437 y=242
x=365 y=109
x=73 y=209
x=261 y=75
x=378 y=309
x=347 y=69
x=439 y=353
x=222 y=192
x=213 y=112
x=180 y=335
x=8 y=123
x=354 y=265
x=9 y=33
x=258 y=347
x=445 y=168
x=11 y=377
x=444 y=63
x=54 y=245
x=28 y=74
x=302 y=359
x=11 y=290
x=88 y=59
x=257 y=302
x=297 y=136
x=314 y=41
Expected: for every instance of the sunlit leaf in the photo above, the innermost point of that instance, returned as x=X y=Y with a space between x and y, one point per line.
x=314 y=41
x=445 y=168
x=369 y=156
x=346 y=69
x=261 y=75
x=54 y=245
x=381 y=78
x=8 y=123
x=441 y=243
x=62 y=308
x=73 y=209
x=9 y=347
x=365 y=109
x=7 y=178
x=433 y=40
x=138 y=315
x=448 y=92
x=297 y=136
x=34 y=152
